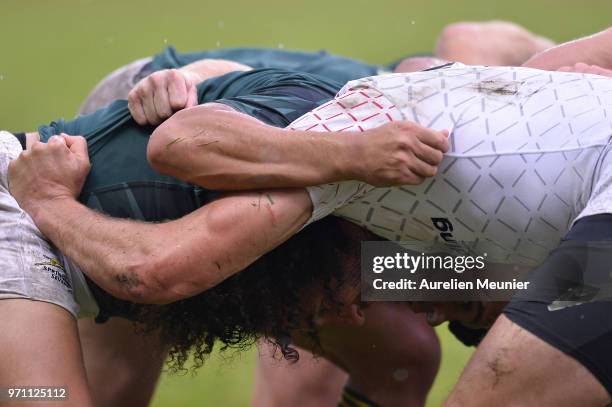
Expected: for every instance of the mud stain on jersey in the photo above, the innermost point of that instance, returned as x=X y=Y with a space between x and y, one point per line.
x=498 y=87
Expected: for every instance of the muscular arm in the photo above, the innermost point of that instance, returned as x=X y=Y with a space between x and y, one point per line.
x=149 y=262
x=164 y=262
x=217 y=147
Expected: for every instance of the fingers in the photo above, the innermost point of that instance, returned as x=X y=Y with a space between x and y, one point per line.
x=192 y=96
x=56 y=141
x=581 y=67
x=598 y=70
x=426 y=150
x=423 y=168
x=435 y=139
x=65 y=143
x=136 y=109
x=77 y=145
x=136 y=102
x=177 y=95
x=429 y=154
x=158 y=96
x=148 y=104
x=410 y=178
x=161 y=104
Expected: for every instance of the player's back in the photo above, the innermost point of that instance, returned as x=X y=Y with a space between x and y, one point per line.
x=524 y=147
x=322 y=63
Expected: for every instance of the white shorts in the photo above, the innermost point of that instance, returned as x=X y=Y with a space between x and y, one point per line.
x=31 y=267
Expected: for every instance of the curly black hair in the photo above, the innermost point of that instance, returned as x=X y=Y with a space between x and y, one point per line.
x=268 y=299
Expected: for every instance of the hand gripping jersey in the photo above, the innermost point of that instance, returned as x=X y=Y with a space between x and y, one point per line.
x=527 y=158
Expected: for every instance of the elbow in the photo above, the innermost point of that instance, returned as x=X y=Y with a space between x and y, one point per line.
x=173 y=150
x=142 y=282
x=170 y=147
x=158 y=281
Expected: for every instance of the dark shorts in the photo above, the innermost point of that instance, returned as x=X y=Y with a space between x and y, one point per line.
x=569 y=303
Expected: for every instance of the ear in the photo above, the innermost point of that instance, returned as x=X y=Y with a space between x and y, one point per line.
x=348 y=315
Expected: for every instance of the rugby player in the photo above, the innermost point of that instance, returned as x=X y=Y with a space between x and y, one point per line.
x=495 y=43
x=533 y=318
x=596 y=142
x=124 y=185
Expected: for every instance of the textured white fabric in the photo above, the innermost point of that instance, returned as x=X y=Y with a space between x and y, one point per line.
x=526 y=147
x=31 y=268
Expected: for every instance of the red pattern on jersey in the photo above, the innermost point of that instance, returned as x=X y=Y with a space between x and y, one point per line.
x=355 y=110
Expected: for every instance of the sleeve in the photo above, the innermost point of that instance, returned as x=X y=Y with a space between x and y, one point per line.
x=106 y=119
x=357 y=108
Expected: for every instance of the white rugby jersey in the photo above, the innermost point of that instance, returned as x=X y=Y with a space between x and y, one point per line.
x=525 y=146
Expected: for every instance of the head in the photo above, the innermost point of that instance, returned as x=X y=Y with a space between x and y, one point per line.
x=310 y=281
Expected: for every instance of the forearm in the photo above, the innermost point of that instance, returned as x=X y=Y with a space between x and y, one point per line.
x=223 y=149
x=165 y=262
x=594 y=50
x=106 y=249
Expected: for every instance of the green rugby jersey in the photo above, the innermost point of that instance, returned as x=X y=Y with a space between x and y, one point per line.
x=320 y=63
x=121 y=182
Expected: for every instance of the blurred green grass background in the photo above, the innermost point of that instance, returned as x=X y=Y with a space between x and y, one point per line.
x=54 y=52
